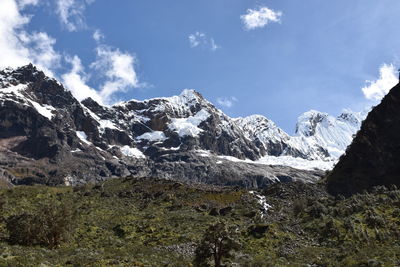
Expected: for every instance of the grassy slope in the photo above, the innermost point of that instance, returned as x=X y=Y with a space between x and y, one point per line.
x=127 y=222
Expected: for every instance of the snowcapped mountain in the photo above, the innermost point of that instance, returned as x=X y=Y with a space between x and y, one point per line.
x=47 y=136
x=333 y=135
x=318 y=136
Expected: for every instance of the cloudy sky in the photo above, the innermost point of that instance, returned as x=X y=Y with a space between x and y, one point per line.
x=278 y=58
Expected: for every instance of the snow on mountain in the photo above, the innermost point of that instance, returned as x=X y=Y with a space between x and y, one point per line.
x=186 y=119
x=261 y=127
x=18 y=93
x=319 y=137
x=332 y=134
x=297 y=163
x=132 y=152
x=155 y=136
x=189 y=126
x=83 y=137
x=186 y=122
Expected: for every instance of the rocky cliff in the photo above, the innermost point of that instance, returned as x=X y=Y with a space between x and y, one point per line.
x=373 y=157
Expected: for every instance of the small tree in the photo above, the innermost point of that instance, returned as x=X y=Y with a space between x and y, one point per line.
x=218 y=242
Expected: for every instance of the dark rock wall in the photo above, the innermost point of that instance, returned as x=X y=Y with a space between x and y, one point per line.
x=374 y=156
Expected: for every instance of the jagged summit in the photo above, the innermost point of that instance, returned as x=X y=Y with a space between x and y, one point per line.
x=24 y=74
x=308 y=122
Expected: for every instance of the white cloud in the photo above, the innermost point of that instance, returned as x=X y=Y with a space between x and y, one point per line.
x=98 y=36
x=18 y=47
x=76 y=80
x=118 y=69
x=42 y=52
x=376 y=90
x=260 y=18
x=71 y=13
x=198 y=39
x=23 y=3
x=214 y=46
x=227 y=102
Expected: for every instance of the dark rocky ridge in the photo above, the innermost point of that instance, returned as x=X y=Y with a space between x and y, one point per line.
x=40 y=124
x=373 y=157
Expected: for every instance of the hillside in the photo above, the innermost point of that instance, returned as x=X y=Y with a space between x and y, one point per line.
x=150 y=222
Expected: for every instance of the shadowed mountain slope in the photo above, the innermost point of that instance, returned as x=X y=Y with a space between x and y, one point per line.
x=374 y=156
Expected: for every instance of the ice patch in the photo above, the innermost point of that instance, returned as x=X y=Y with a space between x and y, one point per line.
x=203 y=153
x=154 y=136
x=107 y=124
x=263 y=203
x=189 y=126
x=82 y=135
x=297 y=163
x=132 y=152
x=45 y=110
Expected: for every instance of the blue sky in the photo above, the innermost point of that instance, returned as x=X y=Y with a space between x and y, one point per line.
x=282 y=59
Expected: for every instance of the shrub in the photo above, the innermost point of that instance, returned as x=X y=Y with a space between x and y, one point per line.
x=299 y=207
x=49 y=225
x=258 y=230
x=330 y=229
x=374 y=220
x=317 y=210
x=3 y=202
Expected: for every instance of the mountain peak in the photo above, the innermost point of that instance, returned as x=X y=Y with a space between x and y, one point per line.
x=190 y=94
x=24 y=74
x=308 y=122
x=352 y=116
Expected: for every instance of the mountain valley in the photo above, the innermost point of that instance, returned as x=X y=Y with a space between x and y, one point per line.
x=156 y=182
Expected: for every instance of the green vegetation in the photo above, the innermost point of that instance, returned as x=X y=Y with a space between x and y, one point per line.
x=147 y=222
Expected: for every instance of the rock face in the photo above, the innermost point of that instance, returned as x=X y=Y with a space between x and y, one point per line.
x=47 y=136
x=373 y=157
